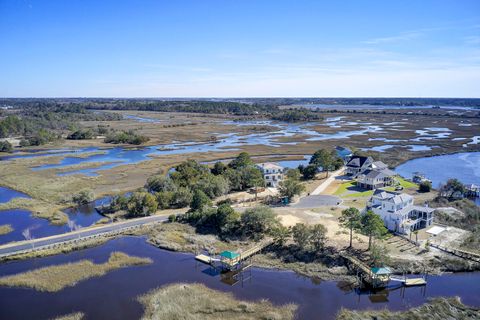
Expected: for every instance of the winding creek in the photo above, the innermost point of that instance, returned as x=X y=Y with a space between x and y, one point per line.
x=113 y=296
x=117 y=291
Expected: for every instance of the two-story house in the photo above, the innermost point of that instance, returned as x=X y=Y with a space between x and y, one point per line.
x=398 y=211
x=374 y=179
x=273 y=173
x=357 y=164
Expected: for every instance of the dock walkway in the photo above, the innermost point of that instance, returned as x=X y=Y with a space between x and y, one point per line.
x=377 y=280
x=239 y=256
x=458 y=252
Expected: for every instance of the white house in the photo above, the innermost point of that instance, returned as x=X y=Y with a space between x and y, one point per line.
x=273 y=173
x=398 y=211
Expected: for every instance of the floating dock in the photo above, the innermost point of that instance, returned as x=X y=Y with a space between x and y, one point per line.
x=415 y=282
x=409 y=282
x=204 y=259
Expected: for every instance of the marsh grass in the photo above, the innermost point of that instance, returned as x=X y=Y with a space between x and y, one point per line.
x=5 y=229
x=57 y=250
x=183 y=237
x=196 y=301
x=57 y=277
x=436 y=309
x=71 y=316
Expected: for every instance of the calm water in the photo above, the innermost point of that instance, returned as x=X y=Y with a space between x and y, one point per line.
x=113 y=296
x=113 y=157
x=20 y=220
x=463 y=166
x=7 y=194
x=369 y=106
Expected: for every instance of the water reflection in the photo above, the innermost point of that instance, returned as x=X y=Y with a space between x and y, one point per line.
x=118 y=289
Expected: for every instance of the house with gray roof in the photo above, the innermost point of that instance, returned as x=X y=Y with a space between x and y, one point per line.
x=374 y=179
x=357 y=165
x=399 y=213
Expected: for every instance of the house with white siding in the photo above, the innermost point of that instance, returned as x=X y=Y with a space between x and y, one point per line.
x=273 y=173
x=399 y=213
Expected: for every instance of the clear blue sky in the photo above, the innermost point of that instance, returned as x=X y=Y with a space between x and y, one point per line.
x=241 y=48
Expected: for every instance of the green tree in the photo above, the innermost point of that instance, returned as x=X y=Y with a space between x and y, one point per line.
x=309 y=172
x=226 y=219
x=350 y=219
x=318 y=236
x=324 y=159
x=281 y=234
x=5 y=146
x=258 y=222
x=372 y=226
x=219 y=168
x=301 y=235
x=293 y=174
x=241 y=161
x=425 y=186
x=213 y=186
x=160 y=183
x=141 y=204
x=182 y=197
x=251 y=177
x=83 y=197
x=164 y=199
x=188 y=173
x=290 y=188
x=199 y=201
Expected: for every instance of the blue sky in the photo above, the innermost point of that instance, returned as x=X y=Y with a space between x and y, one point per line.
x=239 y=48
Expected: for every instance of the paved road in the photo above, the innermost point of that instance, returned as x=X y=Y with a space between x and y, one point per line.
x=11 y=248
x=327 y=182
x=316 y=201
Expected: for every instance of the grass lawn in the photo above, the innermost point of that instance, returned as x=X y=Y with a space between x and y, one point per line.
x=343 y=189
x=406 y=184
x=344 y=186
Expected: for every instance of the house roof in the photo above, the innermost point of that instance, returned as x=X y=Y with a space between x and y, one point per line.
x=423 y=209
x=379 y=165
x=373 y=174
x=388 y=172
x=229 y=254
x=269 y=165
x=381 y=271
x=392 y=196
x=358 y=161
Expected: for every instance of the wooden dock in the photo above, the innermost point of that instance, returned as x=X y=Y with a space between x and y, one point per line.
x=415 y=282
x=378 y=280
x=243 y=255
x=409 y=282
x=204 y=259
x=230 y=263
x=459 y=252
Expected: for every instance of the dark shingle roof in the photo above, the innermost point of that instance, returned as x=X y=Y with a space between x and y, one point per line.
x=357 y=161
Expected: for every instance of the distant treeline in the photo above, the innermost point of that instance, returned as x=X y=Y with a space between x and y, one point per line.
x=42 y=122
x=408 y=102
x=200 y=106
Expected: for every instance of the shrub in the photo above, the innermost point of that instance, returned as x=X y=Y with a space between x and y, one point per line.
x=5 y=146
x=81 y=134
x=83 y=197
x=425 y=186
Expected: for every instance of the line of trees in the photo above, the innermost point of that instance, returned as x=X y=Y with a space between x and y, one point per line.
x=190 y=184
x=322 y=160
x=369 y=224
x=129 y=137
